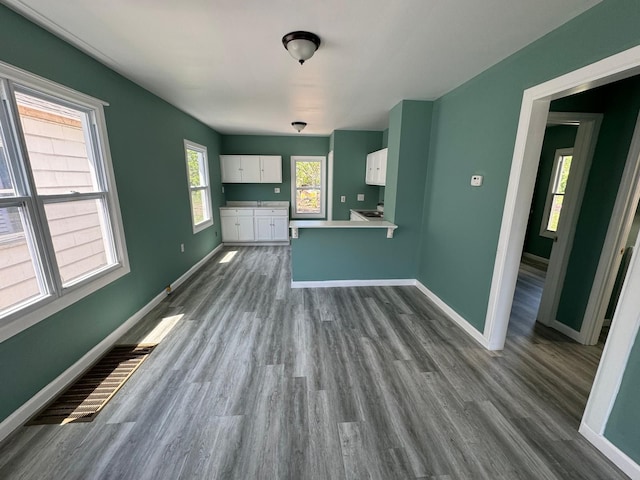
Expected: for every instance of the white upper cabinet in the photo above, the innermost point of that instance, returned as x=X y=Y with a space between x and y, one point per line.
x=376 y=173
x=271 y=169
x=251 y=168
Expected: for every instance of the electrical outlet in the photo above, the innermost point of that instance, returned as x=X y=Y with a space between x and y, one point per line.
x=343 y=198
x=276 y=190
x=182 y=247
x=361 y=197
x=476 y=180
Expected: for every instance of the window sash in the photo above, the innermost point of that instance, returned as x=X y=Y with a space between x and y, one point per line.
x=204 y=186
x=552 y=191
x=321 y=187
x=54 y=295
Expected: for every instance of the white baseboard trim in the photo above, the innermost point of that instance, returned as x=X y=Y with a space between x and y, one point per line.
x=393 y=282
x=176 y=283
x=256 y=244
x=454 y=316
x=568 y=331
x=50 y=391
x=613 y=453
x=536 y=258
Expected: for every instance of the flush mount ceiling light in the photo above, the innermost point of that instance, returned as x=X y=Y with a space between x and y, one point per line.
x=299 y=126
x=301 y=45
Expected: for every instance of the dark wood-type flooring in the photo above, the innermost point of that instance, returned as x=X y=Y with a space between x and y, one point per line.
x=259 y=381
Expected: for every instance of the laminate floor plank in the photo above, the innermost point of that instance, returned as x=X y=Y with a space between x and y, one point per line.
x=255 y=380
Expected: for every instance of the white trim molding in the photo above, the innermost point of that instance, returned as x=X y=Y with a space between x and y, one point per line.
x=51 y=390
x=613 y=453
x=535 y=258
x=453 y=315
x=392 y=282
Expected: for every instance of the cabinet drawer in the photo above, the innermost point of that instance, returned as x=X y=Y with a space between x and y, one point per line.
x=233 y=212
x=268 y=212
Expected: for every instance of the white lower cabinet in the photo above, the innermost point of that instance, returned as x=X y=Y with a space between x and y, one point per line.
x=272 y=225
x=254 y=225
x=237 y=225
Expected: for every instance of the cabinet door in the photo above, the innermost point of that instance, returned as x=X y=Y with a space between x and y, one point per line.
x=280 y=228
x=229 y=228
x=263 y=228
x=230 y=168
x=382 y=162
x=245 y=229
x=271 y=169
x=369 y=173
x=250 y=168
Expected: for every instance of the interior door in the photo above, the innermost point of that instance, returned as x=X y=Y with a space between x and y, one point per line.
x=584 y=147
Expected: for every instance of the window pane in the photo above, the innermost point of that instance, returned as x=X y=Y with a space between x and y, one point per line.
x=56 y=143
x=563 y=174
x=308 y=174
x=199 y=205
x=308 y=200
x=195 y=162
x=554 y=216
x=80 y=239
x=18 y=280
x=6 y=185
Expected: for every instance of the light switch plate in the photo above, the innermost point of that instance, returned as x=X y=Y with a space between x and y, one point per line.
x=343 y=198
x=476 y=180
x=361 y=197
x=276 y=190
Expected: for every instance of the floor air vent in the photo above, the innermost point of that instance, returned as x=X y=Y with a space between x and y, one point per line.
x=82 y=401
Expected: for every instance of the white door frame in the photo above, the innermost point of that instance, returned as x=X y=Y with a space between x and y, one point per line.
x=583 y=150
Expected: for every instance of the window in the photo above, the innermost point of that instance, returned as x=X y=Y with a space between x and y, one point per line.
x=199 y=190
x=557 y=190
x=60 y=228
x=308 y=187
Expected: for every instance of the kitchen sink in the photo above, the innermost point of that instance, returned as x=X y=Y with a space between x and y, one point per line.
x=370 y=213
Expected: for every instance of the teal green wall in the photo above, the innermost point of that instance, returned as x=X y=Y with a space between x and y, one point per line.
x=555 y=137
x=475 y=128
x=339 y=254
x=619 y=104
x=284 y=145
x=408 y=151
x=623 y=426
x=350 y=254
x=350 y=149
x=385 y=138
x=146 y=139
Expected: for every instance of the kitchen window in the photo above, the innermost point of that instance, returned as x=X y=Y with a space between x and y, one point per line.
x=199 y=189
x=556 y=193
x=308 y=187
x=61 y=235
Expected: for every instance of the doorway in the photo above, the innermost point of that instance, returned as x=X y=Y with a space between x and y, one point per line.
x=533 y=116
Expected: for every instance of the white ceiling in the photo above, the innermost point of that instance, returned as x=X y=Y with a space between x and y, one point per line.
x=223 y=62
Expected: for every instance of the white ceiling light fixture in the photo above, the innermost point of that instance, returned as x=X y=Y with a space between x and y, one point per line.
x=299 y=126
x=301 y=45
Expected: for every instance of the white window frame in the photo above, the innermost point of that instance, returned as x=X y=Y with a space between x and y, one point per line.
x=206 y=188
x=323 y=186
x=560 y=153
x=56 y=297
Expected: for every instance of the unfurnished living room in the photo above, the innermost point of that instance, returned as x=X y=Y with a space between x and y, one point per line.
x=319 y=240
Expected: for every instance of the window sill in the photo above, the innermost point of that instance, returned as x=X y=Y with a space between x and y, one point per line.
x=16 y=324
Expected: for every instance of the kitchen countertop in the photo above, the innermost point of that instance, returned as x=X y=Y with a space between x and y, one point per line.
x=297 y=224
x=256 y=204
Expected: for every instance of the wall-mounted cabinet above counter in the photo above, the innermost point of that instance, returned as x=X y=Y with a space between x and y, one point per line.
x=251 y=168
x=376 y=173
